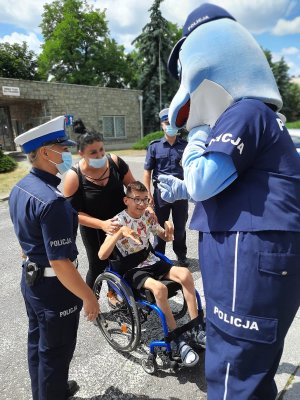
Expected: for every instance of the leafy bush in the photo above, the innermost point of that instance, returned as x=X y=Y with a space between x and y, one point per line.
x=293 y=125
x=143 y=143
x=6 y=163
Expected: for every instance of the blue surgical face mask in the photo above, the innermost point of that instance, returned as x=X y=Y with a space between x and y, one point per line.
x=97 y=162
x=66 y=163
x=171 y=131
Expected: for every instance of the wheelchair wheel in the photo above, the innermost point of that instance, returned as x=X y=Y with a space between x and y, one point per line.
x=149 y=364
x=119 y=323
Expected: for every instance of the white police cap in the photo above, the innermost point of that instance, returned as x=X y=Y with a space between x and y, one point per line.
x=52 y=132
x=163 y=115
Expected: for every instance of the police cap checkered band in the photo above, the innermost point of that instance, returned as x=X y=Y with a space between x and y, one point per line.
x=201 y=15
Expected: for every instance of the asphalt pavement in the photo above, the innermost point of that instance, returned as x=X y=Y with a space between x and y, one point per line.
x=103 y=373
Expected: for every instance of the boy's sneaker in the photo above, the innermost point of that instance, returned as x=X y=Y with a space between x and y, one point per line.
x=188 y=356
x=198 y=337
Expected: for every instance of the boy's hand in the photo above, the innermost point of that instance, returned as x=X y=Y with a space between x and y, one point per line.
x=130 y=233
x=169 y=230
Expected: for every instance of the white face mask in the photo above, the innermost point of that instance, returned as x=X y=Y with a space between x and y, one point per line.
x=66 y=163
x=97 y=162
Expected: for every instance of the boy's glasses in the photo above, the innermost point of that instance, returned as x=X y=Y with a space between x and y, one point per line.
x=138 y=200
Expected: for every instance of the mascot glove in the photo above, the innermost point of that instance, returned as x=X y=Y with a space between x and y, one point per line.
x=172 y=189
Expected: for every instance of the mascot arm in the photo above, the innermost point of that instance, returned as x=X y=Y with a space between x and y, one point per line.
x=205 y=175
x=208 y=175
x=171 y=188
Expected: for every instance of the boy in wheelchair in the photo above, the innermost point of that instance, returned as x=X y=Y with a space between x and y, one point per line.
x=145 y=270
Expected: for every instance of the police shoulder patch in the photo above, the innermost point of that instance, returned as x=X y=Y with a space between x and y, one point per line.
x=155 y=141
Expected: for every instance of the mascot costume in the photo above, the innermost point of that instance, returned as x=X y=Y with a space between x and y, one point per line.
x=242 y=170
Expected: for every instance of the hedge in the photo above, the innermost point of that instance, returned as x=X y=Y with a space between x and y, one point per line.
x=144 y=143
x=7 y=163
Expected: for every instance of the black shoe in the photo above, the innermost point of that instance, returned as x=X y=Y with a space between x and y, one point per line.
x=183 y=262
x=73 y=388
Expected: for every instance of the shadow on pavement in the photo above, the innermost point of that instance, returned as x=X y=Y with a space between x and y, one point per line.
x=113 y=393
x=194 y=264
x=292 y=389
x=194 y=374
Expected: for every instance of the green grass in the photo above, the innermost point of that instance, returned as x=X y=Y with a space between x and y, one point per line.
x=9 y=179
x=293 y=125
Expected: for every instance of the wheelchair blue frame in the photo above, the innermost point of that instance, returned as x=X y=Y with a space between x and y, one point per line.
x=154 y=307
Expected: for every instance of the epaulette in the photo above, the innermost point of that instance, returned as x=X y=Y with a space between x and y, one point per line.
x=155 y=141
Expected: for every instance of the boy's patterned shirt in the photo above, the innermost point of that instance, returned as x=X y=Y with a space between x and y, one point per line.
x=144 y=227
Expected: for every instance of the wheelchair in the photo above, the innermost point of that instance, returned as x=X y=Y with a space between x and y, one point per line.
x=121 y=324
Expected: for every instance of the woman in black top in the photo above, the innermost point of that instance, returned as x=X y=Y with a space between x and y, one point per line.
x=95 y=188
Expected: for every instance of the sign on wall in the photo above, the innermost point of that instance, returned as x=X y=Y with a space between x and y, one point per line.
x=10 y=91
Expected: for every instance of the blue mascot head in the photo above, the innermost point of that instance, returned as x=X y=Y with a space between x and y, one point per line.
x=217 y=62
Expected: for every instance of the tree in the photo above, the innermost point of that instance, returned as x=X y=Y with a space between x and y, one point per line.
x=149 y=63
x=17 y=61
x=77 y=46
x=290 y=92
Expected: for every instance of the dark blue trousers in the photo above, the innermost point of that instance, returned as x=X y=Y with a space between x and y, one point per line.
x=53 y=313
x=251 y=286
x=179 y=211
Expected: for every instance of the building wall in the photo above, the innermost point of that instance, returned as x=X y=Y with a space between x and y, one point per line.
x=40 y=101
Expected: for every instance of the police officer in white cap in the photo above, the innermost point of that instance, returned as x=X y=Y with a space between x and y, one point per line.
x=164 y=157
x=53 y=290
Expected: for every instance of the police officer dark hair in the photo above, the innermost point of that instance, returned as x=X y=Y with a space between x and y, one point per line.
x=88 y=138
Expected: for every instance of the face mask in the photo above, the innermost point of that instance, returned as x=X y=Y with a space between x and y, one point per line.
x=97 y=162
x=66 y=163
x=171 y=131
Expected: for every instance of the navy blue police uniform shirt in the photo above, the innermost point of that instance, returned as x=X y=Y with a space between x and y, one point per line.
x=266 y=193
x=162 y=158
x=44 y=221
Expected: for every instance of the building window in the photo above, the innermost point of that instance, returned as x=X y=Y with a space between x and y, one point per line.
x=112 y=126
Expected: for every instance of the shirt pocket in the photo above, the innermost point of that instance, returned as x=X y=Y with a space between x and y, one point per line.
x=59 y=327
x=279 y=264
x=163 y=159
x=242 y=326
